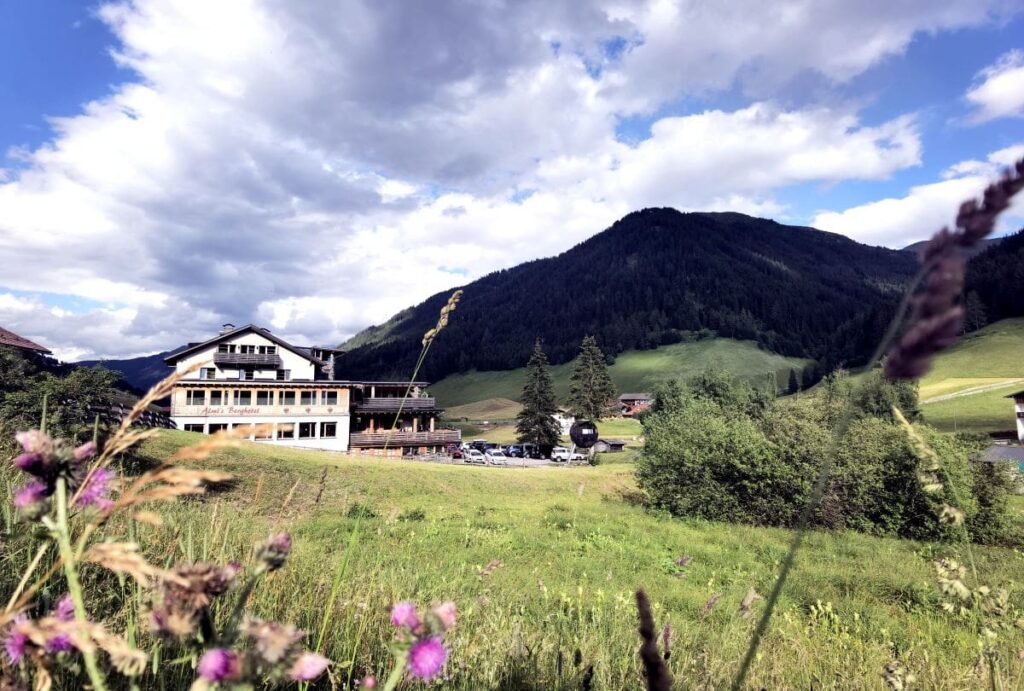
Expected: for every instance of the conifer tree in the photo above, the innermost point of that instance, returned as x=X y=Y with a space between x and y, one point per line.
x=591 y=386
x=536 y=423
x=794 y=383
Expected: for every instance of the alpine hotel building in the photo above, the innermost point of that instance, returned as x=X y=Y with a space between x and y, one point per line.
x=247 y=376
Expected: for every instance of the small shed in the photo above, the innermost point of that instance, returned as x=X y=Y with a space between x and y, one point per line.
x=609 y=445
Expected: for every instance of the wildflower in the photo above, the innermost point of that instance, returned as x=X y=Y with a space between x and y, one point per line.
x=273 y=553
x=30 y=495
x=426 y=658
x=16 y=641
x=308 y=666
x=38 y=458
x=272 y=641
x=404 y=614
x=182 y=598
x=85 y=451
x=218 y=665
x=95 y=489
x=445 y=612
x=369 y=683
x=65 y=609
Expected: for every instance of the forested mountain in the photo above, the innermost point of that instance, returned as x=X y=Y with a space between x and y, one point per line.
x=657 y=276
x=139 y=373
x=994 y=287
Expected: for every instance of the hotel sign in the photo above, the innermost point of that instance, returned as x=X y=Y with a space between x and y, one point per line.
x=229 y=410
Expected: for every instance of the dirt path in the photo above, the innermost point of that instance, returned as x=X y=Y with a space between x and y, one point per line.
x=973 y=390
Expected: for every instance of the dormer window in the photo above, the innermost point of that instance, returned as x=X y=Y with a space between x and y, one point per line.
x=226 y=348
x=208 y=373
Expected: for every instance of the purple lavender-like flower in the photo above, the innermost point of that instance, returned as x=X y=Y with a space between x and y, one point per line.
x=308 y=666
x=426 y=658
x=85 y=451
x=16 y=642
x=65 y=609
x=59 y=643
x=94 y=491
x=404 y=614
x=274 y=552
x=31 y=494
x=218 y=665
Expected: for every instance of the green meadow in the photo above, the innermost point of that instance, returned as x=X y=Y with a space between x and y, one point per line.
x=543 y=564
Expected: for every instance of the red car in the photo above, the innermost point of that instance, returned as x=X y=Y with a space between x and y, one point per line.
x=454 y=450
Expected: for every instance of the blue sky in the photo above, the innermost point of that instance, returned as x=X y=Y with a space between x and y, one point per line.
x=169 y=165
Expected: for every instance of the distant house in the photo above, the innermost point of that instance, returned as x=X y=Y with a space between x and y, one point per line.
x=1006 y=454
x=13 y=340
x=1018 y=409
x=565 y=419
x=632 y=404
x=609 y=445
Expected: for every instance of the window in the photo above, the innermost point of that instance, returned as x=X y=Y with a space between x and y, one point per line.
x=194 y=428
x=286 y=430
x=287 y=398
x=308 y=398
x=218 y=427
x=250 y=373
x=307 y=430
x=225 y=348
x=330 y=398
x=251 y=349
x=265 y=398
x=284 y=374
x=208 y=373
x=267 y=350
x=195 y=397
x=243 y=398
x=216 y=398
x=329 y=430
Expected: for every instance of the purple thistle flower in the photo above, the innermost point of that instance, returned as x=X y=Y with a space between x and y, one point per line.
x=426 y=658
x=59 y=643
x=308 y=667
x=65 y=609
x=404 y=614
x=31 y=494
x=35 y=441
x=38 y=458
x=274 y=552
x=16 y=642
x=94 y=491
x=218 y=665
x=85 y=451
x=445 y=612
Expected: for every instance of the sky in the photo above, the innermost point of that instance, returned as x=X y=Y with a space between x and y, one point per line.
x=167 y=166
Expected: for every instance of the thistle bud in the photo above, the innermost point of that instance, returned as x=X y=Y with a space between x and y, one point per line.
x=274 y=552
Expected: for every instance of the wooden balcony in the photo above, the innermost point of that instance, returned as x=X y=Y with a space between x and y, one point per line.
x=263 y=360
x=253 y=410
x=391 y=405
x=366 y=440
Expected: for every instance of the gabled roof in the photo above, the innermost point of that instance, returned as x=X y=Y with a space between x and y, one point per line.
x=9 y=338
x=248 y=328
x=1016 y=395
x=631 y=396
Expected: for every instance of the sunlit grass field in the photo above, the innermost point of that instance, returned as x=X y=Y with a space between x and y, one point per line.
x=543 y=564
x=633 y=371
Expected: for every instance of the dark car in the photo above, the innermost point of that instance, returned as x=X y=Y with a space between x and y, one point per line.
x=515 y=451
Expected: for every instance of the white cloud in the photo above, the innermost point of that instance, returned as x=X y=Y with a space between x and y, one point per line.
x=898 y=222
x=998 y=90
x=318 y=166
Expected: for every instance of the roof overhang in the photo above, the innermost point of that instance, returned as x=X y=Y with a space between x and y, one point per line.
x=248 y=328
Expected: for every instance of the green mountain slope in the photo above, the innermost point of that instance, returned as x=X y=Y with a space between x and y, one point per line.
x=967 y=388
x=655 y=278
x=633 y=371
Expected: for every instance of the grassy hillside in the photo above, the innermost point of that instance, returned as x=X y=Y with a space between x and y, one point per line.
x=633 y=371
x=967 y=388
x=542 y=564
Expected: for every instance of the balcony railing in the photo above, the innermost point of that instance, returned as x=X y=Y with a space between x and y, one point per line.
x=397 y=439
x=391 y=405
x=258 y=359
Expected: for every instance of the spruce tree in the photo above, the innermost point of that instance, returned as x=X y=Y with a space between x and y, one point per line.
x=794 y=383
x=591 y=386
x=536 y=423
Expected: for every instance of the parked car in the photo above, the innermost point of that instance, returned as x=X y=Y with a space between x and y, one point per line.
x=560 y=454
x=496 y=457
x=515 y=451
x=474 y=456
x=478 y=444
x=455 y=451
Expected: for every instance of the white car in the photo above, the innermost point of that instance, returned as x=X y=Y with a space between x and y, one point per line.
x=560 y=454
x=474 y=456
x=496 y=457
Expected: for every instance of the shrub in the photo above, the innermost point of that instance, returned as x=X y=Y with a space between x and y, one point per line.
x=360 y=510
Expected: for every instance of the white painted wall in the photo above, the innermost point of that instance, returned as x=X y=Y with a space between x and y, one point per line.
x=338 y=443
x=1019 y=410
x=300 y=367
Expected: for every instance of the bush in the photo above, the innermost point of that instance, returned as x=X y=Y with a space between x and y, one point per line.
x=359 y=510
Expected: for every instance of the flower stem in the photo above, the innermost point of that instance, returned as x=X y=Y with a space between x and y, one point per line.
x=74 y=585
x=396 y=674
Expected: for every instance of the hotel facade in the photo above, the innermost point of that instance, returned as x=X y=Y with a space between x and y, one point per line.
x=288 y=396
x=1018 y=409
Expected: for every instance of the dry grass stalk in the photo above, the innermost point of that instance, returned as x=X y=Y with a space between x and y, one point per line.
x=124 y=557
x=229 y=438
x=709 y=605
x=747 y=604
